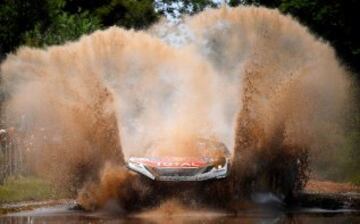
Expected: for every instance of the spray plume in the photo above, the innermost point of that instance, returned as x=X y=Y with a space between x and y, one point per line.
x=249 y=77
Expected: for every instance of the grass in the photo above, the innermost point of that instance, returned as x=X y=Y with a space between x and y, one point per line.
x=20 y=188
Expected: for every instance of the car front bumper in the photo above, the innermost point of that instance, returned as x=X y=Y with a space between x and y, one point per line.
x=211 y=173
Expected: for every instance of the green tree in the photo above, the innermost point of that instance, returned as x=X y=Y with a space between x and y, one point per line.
x=63 y=27
x=130 y=14
x=47 y=22
x=17 y=17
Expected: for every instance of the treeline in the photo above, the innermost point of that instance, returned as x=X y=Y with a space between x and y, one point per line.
x=47 y=22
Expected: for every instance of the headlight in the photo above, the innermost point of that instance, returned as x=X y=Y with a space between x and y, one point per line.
x=219 y=166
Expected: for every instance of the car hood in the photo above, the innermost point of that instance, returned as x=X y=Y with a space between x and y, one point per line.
x=173 y=162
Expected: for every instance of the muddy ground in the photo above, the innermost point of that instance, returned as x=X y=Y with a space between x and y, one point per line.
x=318 y=194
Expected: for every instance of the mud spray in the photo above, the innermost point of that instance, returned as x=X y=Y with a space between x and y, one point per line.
x=249 y=77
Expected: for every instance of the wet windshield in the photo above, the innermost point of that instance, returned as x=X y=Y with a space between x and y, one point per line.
x=198 y=147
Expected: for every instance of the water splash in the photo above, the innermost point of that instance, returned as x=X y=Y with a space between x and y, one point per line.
x=249 y=77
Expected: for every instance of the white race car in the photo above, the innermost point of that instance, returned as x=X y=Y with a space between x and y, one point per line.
x=208 y=159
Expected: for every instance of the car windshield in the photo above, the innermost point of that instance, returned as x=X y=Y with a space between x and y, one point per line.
x=198 y=147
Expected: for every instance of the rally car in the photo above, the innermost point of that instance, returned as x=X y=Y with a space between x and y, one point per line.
x=207 y=159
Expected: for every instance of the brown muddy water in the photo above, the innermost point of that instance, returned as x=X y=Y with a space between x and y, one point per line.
x=62 y=214
x=249 y=77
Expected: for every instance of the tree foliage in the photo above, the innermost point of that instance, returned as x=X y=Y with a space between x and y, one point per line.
x=130 y=14
x=17 y=17
x=47 y=22
x=64 y=27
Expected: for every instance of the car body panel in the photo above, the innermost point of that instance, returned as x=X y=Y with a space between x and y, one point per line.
x=213 y=165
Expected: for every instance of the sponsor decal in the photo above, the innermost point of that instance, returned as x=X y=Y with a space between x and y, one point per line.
x=171 y=163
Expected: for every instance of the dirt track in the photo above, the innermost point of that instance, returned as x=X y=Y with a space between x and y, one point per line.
x=318 y=194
